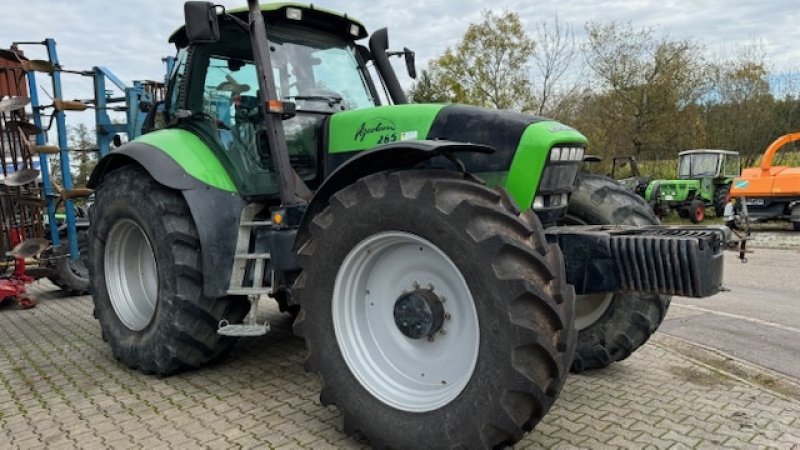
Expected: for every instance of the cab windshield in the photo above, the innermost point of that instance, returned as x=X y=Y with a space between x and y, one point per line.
x=317 y=71
x=696 y=165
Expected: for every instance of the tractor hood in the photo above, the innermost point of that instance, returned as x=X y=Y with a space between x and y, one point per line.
x=366 y=128
x=522 y=142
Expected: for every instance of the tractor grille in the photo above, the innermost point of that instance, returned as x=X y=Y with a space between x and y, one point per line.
x=668 y=261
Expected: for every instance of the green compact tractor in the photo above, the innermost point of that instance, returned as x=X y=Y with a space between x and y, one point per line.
x=704 y=179
x=431 y=253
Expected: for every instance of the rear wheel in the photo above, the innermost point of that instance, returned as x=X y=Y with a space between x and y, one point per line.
x=697 y=211
x=721 y=196
x=146 y=277
x=611 y=326
x=424 y=295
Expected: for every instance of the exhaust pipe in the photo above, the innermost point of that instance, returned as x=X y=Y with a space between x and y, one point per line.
x=378 y=44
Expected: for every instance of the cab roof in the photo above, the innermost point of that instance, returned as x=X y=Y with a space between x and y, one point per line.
x=312 y=17
x=704 y=150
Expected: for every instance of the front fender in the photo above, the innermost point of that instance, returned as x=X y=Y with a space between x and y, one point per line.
x=397 y=155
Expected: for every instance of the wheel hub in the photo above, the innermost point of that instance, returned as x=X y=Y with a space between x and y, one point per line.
x=387 y=304
x=419 y=313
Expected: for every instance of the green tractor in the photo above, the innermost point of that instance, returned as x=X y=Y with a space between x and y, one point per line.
x=419 y=246
x=704 y=179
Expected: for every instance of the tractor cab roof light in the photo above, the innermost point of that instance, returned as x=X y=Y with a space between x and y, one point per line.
x=355 y=30
x=294 y=14
x=555 y=154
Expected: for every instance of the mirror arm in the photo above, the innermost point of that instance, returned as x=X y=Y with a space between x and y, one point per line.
x=239 y=22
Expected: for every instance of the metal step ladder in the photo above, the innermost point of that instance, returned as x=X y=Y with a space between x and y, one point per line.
x=242 y=259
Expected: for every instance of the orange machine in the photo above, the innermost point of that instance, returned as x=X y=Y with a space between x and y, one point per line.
x=771 y=192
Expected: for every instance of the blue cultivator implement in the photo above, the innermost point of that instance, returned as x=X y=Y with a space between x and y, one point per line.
x=44 y=214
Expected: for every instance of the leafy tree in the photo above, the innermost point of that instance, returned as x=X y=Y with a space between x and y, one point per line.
x=429 y=89
x=650 y=83
x=740 y=111
x=489 y=67
x=82 y=145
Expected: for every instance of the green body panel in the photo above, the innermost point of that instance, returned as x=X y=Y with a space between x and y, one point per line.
x=672 y=190
x=531 y=156
x=192 y=155
x=679 y=190
x=363 y=129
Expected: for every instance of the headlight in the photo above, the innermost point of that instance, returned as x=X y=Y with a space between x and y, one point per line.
x=566 y=154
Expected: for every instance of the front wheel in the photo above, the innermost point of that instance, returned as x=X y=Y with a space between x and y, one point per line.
x=611 y=325
x=146 y=277
x=697 y=211
x=435 y=316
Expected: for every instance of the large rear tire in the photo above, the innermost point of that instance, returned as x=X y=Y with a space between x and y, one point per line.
x=611 y=326
x=146 y=278
x=721 y=196
x=509 y=337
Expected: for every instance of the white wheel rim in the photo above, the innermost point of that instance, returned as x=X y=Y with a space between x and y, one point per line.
x=590 y=308
x=131 y=274
x=414 y=375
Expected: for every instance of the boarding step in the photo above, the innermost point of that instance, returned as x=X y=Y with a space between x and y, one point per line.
x=255 y=223
x=248 y=329
x=265 y=290
x=242 y=329
x=253 y=256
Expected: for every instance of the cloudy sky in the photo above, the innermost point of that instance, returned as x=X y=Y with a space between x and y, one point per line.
x=130 y=37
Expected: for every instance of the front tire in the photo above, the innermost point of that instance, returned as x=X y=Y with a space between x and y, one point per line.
x=146 y=278
x=507 y=312
x=611 y=326
x=697 y=211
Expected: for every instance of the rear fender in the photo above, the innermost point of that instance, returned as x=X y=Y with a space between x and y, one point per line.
x=215 y=211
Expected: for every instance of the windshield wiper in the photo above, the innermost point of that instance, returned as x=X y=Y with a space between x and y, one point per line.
x=331 y=99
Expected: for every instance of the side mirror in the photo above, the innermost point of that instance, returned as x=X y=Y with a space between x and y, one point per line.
x=411 y=66
x=202 y=25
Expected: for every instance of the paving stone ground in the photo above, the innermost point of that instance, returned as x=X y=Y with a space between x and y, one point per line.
x=62 y=388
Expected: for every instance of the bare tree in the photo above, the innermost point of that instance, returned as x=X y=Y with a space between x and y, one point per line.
x=554 y=61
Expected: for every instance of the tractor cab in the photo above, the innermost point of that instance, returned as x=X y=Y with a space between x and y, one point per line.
x=318 y=69
x=697 y=164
